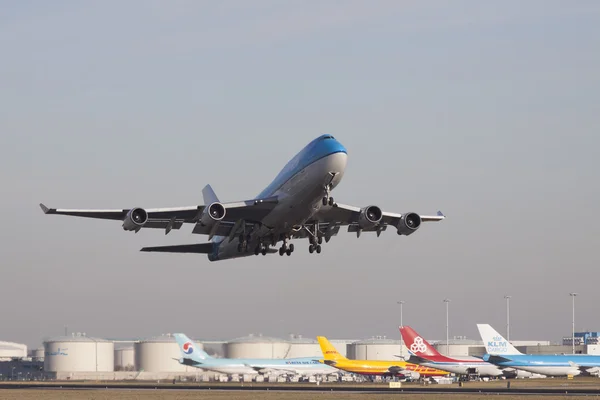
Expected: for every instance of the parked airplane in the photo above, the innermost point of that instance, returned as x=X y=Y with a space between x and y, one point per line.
x=194 y=356
x=504 y=354
x=297 y=204
x=398 y=368
x=424 y=354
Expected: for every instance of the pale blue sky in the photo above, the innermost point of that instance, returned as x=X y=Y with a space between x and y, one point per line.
x=485 y=110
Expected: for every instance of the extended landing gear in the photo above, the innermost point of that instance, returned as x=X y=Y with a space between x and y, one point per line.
x=315 y=239
x=327 y=200
x=261 y=248
x=243 y=243
x=312 y=248
x=285 y=248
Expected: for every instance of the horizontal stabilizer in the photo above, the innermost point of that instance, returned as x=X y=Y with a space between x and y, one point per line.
x=203 y=248
x=494 y=359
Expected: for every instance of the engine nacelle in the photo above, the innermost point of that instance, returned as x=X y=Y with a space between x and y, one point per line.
x=213 y=213
x=412 y=375
x=135 y=219
x=369 y=217
x=409 y=223
x=401 y=371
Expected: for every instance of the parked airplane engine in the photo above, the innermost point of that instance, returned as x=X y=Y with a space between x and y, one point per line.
x=409 y=223
x=213 y=213
x=369 y=217
x=412 y=375
x=135 y=219
x=395 y=371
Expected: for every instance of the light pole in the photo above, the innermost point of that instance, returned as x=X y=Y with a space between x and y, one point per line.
x=507 y=297
x=447 y=301
x=401 y=302
x=573 y=331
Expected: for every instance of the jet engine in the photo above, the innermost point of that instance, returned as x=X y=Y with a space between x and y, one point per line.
x=213 y=213
x=400 y=371
x=369 y=217
x=135 y=219
x=409 y=223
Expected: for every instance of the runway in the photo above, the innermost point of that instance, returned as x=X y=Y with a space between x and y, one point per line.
x=515 y=390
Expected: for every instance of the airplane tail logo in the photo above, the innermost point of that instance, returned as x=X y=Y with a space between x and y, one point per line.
x=188 y=348
x=494 y=342
x=328 y=350
x=416 y=344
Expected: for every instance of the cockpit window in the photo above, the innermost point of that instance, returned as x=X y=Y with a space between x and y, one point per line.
x=328 y=137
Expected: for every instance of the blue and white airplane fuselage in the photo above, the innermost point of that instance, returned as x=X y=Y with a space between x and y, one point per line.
x=503 y=354
x=548 y=364
x=299 y=189
x=194 y=356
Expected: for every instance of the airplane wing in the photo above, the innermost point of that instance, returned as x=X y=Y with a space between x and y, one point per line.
x=227 y=215
x=586 y=370
x=370 y=219
x=267 y=370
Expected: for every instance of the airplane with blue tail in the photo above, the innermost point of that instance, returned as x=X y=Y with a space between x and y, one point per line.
x=503 y=354
x=298 y=204
x=194 y=356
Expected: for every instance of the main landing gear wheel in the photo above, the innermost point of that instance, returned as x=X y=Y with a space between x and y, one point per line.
x=328 y=200
x=264 y=251
x=314 y=247
x=287 y=249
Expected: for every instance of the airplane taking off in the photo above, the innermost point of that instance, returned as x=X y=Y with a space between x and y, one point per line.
x=504 y=354
x=194 y=356
x=398 y=368
x=424 y=354
x=297 y=204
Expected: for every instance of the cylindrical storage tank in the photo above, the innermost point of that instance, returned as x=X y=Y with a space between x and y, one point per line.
x=459 y=347
x=78 y=353
x=37 y=354
x=377 y=348
x=303 y=347
x=10 y=350
x=160 y=354
x=124 y=359
x=256 y=346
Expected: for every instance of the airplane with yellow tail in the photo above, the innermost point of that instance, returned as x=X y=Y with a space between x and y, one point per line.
x=398 y=367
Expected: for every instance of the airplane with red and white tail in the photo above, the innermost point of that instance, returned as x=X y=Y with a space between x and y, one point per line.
x=423 y=353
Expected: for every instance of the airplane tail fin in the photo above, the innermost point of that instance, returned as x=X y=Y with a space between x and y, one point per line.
x=494 y=342
x=209 y=195
x=189 y=350
x=328 y=350
x=417 y=345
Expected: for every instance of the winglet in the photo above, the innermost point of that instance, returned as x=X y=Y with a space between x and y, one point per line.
x=45 y=209
x=441 y=214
